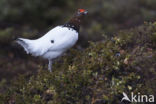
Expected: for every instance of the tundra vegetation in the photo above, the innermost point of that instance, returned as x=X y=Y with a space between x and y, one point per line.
x=119 y=57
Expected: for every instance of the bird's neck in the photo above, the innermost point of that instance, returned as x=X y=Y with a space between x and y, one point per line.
x=73 y=23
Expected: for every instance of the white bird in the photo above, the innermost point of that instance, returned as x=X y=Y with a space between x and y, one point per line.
x=56 y=41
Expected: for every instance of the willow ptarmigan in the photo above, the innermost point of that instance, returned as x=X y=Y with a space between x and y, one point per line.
x=56 y=41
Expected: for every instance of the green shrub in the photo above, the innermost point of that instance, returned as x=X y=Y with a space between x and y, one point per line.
x=98 y=74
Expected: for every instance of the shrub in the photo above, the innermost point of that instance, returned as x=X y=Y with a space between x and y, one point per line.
x=96 y=75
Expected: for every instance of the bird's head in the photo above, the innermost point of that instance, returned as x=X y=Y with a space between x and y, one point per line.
x=81 y=12
x=76 y=19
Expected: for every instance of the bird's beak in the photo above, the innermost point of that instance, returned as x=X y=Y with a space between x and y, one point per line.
x=85 y=12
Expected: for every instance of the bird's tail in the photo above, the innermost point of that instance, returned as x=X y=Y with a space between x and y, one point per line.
x=24 y=43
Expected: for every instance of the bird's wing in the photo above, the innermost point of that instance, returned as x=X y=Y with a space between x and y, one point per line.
x=65 y=40
x=56 y=39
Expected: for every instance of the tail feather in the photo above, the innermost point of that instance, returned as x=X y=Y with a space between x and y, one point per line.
x=24 y=44
x=30 y=46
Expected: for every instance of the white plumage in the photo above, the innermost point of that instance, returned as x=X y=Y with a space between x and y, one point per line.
x=56 y=41
x=52 y=44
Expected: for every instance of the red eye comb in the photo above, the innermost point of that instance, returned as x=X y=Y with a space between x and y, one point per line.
x=81 y=10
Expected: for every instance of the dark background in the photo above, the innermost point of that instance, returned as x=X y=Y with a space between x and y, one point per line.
x=33 y=18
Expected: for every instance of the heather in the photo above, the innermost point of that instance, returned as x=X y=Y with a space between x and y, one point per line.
x=116 y=52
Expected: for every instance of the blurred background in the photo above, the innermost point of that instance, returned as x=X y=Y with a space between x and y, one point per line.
x=33 y=18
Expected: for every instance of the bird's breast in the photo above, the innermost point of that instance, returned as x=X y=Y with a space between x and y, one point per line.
x=52 y=54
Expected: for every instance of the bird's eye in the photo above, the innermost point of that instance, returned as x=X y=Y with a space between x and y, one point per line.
x=52 y=41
